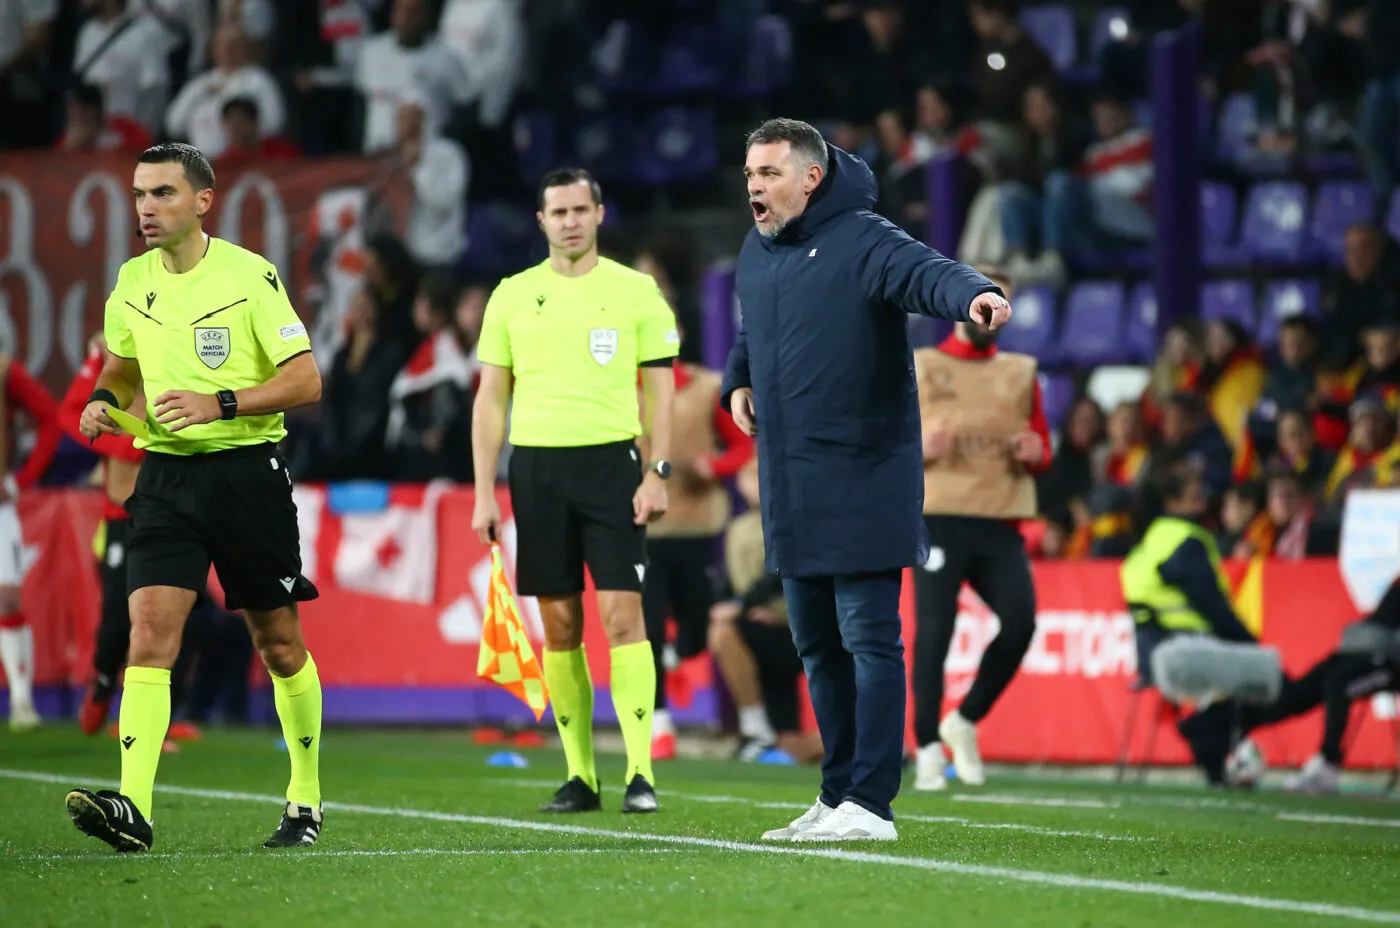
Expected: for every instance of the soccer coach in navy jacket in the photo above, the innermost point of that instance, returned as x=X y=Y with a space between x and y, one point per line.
x=822 y=374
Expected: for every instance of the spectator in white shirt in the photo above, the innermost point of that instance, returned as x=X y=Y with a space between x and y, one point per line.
x=25 y=27
x=123 y=51
x=406 y=58
x=196 y=114
x=191 y=23
x=488 y=38
x=438 y=171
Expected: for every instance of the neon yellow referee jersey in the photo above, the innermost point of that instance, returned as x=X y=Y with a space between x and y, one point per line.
x=573 y=345
x=225 y=324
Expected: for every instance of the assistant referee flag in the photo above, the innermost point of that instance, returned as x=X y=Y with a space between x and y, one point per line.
x=506 y=657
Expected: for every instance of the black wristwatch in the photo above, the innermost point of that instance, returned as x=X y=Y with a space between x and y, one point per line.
x=228 y=404
x=662 y=469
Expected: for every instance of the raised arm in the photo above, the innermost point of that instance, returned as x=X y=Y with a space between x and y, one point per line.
x=898 y=271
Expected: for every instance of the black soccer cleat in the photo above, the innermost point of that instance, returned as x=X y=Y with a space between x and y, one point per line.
x=575 y=796
x=640 y=796
x=300 y=827
x=110 y=817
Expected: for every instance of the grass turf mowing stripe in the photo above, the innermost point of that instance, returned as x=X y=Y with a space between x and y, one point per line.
x=1033 y=801
x=902 y=816
x=1007 y=874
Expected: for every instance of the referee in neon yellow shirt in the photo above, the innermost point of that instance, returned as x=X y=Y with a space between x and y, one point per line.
x=209 y=330
x=565 y=340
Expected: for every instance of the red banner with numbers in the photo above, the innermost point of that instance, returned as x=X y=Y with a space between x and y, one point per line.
x=404 y=588
x=67 y=224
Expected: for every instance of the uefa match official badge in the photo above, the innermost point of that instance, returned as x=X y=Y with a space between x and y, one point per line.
x=212 y=346
x=602 y=344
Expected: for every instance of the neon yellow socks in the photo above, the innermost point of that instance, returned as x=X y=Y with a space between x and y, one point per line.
x=142 y=723
x=634 y=697
x=298 y=701
x=571 y=693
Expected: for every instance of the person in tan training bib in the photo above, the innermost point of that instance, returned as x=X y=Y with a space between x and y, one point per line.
x=985 y=437
x=706 y=449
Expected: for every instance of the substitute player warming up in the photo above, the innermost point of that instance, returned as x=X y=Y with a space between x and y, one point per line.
x=207 y=326
x=566 y=339
x=985 y=435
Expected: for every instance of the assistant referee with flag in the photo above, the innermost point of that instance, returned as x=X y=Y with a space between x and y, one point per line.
x=566 y=339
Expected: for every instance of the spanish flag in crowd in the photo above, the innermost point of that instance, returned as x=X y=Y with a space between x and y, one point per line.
x=506 y=657
x=1249 y=596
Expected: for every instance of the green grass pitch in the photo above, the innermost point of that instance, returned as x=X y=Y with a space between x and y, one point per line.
x=419 y=831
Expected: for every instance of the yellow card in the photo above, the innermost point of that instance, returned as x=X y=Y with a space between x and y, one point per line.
x=129 y=423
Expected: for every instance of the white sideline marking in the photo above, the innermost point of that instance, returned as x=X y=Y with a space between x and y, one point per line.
x=1339 y=819
x=1032 y=801
x=409 y=852
x=899 y=817
x=1009 y=874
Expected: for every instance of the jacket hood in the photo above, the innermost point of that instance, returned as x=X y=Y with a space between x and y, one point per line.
x=849 y=185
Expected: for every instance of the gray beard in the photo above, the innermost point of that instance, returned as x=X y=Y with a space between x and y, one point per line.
x=773 y=233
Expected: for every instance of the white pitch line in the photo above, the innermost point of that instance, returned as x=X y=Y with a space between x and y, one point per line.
x=1053 y=802
x=309 y=854
x=1007 y=874
x=1339 y=819
x=901 y=817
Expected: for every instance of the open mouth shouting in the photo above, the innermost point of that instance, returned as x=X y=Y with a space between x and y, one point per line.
x=760 y=209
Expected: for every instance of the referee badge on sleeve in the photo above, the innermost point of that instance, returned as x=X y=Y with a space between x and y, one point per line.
x=212 y=345
x=602 y=344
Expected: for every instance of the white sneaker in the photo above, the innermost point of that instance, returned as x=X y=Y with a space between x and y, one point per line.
x=849 y=822
x=809 y=819
x=960 y=736
x=1316 y=777
x=1245 y=765
x=23 y=717
x=929 y=764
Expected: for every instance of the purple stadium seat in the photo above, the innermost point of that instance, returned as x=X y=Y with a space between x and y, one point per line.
x=1218 y=208
x=1392 y=218
x=604 y=145
x=1141 y=324
x=767 y=64
x=679 y=146
x=1033 y=325
x=1285 y=298
x=536 y=145
x=1235 y=128
x=1056 y=395
x=1340 y=204
x=689 y=63
x=1276 y=223
x=1110 y=25
x=1052 y=27
x=1093 y=325
x=1228 y=299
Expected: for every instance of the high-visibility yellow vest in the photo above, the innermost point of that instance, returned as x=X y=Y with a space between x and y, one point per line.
x=1150 y=598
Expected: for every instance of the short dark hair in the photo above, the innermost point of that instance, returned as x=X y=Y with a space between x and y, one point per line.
x=441 y=293
x=89 y=95
x=804 y=138
x=564 y=177
x=197 y=169
x=245 y=105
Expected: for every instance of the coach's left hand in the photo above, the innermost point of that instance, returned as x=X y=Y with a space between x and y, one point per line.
x=989 y=310
x=649 y=502
x=185 y=408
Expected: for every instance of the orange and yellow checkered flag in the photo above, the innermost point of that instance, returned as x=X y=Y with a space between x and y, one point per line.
x=506 y=657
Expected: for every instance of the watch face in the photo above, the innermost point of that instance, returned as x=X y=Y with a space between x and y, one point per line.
x=663 y=469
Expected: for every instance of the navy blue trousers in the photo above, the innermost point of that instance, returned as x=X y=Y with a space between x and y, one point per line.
x=847 y=632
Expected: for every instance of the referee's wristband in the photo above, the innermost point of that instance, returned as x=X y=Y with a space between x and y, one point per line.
x=104 y=396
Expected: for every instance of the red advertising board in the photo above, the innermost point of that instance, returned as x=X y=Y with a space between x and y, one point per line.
x=1068 y=704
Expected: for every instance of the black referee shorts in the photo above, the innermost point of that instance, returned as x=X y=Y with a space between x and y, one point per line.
x=230 y=508
x=573 y=506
